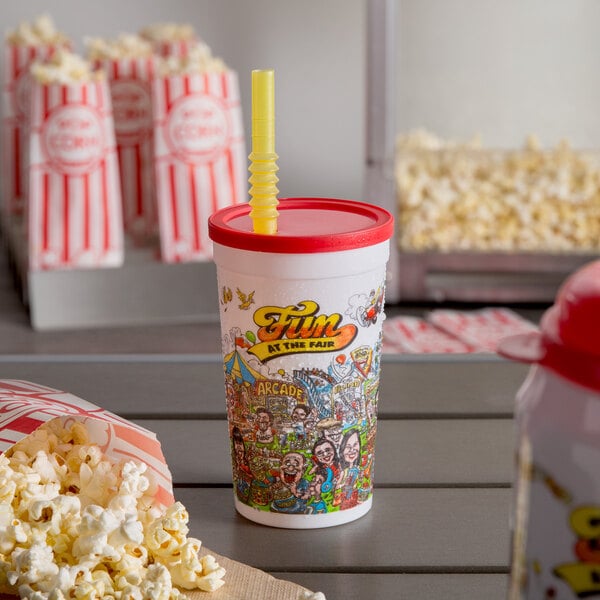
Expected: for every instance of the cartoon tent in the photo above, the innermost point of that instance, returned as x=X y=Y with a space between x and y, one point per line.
x=239 y=369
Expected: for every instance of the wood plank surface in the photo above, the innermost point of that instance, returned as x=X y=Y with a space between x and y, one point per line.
x=407 y=531
x=408 y=452
x=438 y=528
x=382 y=586
x=192 y=385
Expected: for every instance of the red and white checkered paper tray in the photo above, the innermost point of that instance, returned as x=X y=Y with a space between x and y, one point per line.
x=200 y=158
x=129 y=81
x=25 y=406
x=414 y=335
x=75 y=213
x=15 y=113
x=481 y=328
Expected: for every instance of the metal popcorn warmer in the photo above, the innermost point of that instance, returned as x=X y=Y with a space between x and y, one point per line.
x=472 y=224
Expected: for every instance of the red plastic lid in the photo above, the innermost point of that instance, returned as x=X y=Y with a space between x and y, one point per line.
x=305 y=225
x=569 y=340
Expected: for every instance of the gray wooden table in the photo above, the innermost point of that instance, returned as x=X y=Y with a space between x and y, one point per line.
x=438 y=528
x=439 y=524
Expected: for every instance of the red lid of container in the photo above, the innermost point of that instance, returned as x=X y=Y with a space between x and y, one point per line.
x=569 y=338
x=305 y=225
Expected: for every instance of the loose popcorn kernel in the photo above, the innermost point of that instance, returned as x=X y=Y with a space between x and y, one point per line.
x=460 y=197
x=312 y=596
x=60 y=542
x=166 y=534
x=157 y=583
x=213 y=574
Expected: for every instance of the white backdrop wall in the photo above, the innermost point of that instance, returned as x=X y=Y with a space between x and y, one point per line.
x=504 y=68
x=500 y=67
x=316 y=48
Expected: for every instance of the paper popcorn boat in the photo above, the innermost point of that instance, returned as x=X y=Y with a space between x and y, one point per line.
x=74 y=210
x=15 y=114
x=129 y=81
x=200 y=158
x=481 y=329
x=25 y=406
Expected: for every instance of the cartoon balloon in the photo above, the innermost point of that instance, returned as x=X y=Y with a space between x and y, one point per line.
x=340 y=359
x=250 y=337
x=281 y=372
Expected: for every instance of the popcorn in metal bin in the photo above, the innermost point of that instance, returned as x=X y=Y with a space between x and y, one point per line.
x=460 y=196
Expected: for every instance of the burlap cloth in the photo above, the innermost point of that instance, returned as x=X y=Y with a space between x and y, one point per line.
x=246 y=583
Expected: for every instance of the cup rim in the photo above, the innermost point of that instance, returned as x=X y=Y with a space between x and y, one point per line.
x=305 y=225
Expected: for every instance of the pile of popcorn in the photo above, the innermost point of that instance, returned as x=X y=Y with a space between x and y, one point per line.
x=126 y=45
x=199 y=60
x=74 y=524
x=64 y=67
x=460 y=196
x=40 y=31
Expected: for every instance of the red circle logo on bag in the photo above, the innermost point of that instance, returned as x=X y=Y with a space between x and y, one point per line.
x=198 y=128
x=132 y=110
x=73 y=139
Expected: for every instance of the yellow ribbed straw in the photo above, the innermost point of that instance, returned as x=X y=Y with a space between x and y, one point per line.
x=263 y=193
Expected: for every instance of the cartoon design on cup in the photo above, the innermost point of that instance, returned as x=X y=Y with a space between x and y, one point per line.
x=302 y=441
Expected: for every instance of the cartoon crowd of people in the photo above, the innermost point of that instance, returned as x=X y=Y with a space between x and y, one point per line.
x=310 y=449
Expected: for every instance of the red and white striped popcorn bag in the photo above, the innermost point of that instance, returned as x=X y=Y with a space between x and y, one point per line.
x=129 y=81
x=179 y=48
x=75 y=214
x=26 y=406
x=200 y=158
x=15 y=114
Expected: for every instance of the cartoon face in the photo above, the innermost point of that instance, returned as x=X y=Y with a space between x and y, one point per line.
x=263 y=420
x=299 y=414
x=239 y=448
x=240 y=452
x=292 y=467
x=317 y=483
x=333 y=434
x=324 y=452
x=351 y=450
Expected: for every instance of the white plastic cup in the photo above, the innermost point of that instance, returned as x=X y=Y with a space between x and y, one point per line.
x=301 y=322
